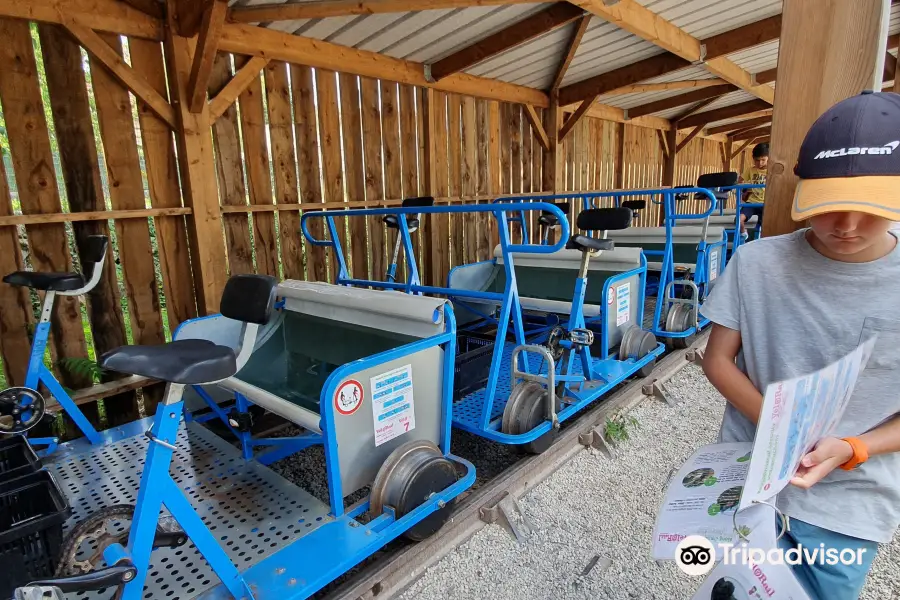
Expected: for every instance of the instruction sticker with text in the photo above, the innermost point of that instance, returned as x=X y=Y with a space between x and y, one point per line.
x=713 y=265
x=392 y=404
x=623 y=304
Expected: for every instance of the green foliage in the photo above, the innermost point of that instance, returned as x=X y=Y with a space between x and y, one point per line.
x=617 y=428
x=83 y=367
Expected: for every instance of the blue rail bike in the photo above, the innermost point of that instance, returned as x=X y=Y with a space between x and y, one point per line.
x=684 y=255
x=23 y=407
x=515 y=384
x=175 y=510
x=753 y=225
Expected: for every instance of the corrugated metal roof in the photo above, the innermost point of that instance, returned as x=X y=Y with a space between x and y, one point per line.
x=757 y=59
x=428 y=36
x=705 y=18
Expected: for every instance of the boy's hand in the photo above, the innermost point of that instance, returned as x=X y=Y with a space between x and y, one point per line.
x=828 y=454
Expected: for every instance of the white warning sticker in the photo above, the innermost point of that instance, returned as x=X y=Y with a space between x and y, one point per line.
x=392 y=404
x=623 y=304
x=713 y=265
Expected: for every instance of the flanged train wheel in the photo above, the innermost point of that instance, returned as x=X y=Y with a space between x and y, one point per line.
x=410 y=475
x=526 y=409
x=637 y=343
x=680 y=317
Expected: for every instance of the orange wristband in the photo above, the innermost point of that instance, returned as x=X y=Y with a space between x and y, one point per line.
x=860 y=453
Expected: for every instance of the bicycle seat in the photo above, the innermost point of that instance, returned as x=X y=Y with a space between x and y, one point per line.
x=635 y=205
x=182 y=361
x=53 y=282
x=394 y=223
x=583 y=242
x=548 y=219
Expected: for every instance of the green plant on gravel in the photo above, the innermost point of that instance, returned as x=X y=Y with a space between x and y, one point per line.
x=617 y=428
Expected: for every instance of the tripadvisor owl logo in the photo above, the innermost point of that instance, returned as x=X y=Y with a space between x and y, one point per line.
x=695 y=555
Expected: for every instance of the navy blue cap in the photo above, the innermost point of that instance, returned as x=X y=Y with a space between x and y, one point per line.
x=850 y=161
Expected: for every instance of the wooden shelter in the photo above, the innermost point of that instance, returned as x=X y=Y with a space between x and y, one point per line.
x=195 y=132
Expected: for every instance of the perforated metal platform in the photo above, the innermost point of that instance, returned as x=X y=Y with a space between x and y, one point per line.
x=467 y=411
x=251 y=511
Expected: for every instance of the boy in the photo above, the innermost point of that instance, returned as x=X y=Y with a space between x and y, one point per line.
x=754 y=174
x=789 y=305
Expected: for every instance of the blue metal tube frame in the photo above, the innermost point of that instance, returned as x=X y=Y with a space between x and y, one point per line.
x=739 y=204
x=37 y=373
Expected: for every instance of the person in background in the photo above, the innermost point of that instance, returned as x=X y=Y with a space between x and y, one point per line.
x=756 y=173
x=789 y=305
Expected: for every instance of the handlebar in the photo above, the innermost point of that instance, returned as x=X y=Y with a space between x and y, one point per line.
x=401 y=212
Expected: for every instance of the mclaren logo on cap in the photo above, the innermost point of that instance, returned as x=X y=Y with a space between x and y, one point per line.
x=886 y=149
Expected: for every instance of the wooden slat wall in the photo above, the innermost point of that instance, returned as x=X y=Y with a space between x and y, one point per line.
x=296 y=139
x=79 y=142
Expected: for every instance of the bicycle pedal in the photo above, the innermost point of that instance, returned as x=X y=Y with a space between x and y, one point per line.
x=581 y=337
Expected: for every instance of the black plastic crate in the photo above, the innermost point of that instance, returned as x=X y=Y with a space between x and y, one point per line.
x=17 y=458
x=32 y=512
x=472 y=367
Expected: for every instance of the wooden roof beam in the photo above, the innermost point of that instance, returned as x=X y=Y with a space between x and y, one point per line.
x=727 y=112
x=695 y=108
x=746 y=124
x=250 y=40
x=111 y=16
x=148 y=7
x=235 y=87
x=890 y=67
x=688 y=84
x=740 y=149
x=522 y=31
x=621 y=77
x=747 y=36
x=680 y=100
x=574 y=118
x=689 y=137
x=119 y=69
x=574 y=41
x=536 y=126
x=765 y=76
x=205 y=54
x=321 y=9
x=634 y=18
x=751 y=134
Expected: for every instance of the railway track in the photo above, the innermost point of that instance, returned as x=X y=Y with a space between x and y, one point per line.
x=393 y=571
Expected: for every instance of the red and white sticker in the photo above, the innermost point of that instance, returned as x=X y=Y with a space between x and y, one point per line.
x=611 y=296
x=349 y=397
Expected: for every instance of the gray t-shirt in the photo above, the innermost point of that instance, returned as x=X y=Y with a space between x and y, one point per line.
x=797 y=312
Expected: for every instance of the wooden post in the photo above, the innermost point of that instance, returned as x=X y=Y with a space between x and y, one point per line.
x=828 y=52
x=198 y=175
x=668 y=178
x=726 y=159
x=551 y=178
x=620 y=156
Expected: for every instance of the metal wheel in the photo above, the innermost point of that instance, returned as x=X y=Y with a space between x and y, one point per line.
x=527 y=412
x=82 y=550
x=680 y=317
x=637 y=343
x=412 y=474
x=21 y=408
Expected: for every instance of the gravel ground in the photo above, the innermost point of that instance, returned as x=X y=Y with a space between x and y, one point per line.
x=600 y=512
